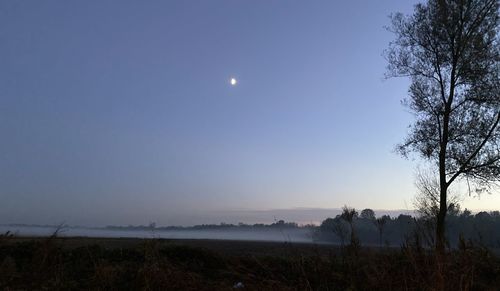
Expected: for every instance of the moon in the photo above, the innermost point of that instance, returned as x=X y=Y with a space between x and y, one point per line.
x=233 y=82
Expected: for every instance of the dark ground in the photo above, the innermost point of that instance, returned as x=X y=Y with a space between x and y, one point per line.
x=224 y=247
x=60 y=263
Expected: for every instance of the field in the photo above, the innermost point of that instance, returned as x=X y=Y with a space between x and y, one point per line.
x=59 y=263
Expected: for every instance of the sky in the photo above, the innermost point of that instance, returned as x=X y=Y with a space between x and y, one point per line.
x=122 y=112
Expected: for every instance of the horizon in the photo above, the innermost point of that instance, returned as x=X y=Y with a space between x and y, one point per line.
x=301 y=216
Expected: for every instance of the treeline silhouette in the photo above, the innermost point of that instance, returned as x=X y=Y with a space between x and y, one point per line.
x=482 y=228
x=280 y=224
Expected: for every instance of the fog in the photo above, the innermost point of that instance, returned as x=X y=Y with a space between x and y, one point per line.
x=277 y=235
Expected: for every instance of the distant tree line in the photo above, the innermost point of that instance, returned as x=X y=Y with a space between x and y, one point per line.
x=280 y=224
x=482 y=228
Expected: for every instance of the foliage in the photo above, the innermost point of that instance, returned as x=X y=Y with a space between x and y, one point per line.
x=368 y=214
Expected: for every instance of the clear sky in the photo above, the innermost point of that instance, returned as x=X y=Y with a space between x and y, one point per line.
x=116 y=112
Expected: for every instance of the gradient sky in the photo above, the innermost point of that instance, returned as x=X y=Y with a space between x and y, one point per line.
x=117 y=112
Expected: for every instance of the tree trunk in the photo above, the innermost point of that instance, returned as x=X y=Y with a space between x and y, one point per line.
x=443 y=191
x=443 y=184
x=440 y=223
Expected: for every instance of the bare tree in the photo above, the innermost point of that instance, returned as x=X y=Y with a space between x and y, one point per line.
x=349 y=214
x=427 y=198
x=450 y=51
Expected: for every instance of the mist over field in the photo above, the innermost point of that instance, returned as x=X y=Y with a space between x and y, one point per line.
x=277 y=235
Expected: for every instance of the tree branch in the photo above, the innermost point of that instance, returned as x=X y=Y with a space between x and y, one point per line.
x=463 y=168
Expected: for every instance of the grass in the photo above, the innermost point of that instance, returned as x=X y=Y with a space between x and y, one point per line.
x=115 y=264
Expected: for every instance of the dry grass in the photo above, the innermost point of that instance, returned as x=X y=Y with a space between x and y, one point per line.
x=102 y=264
